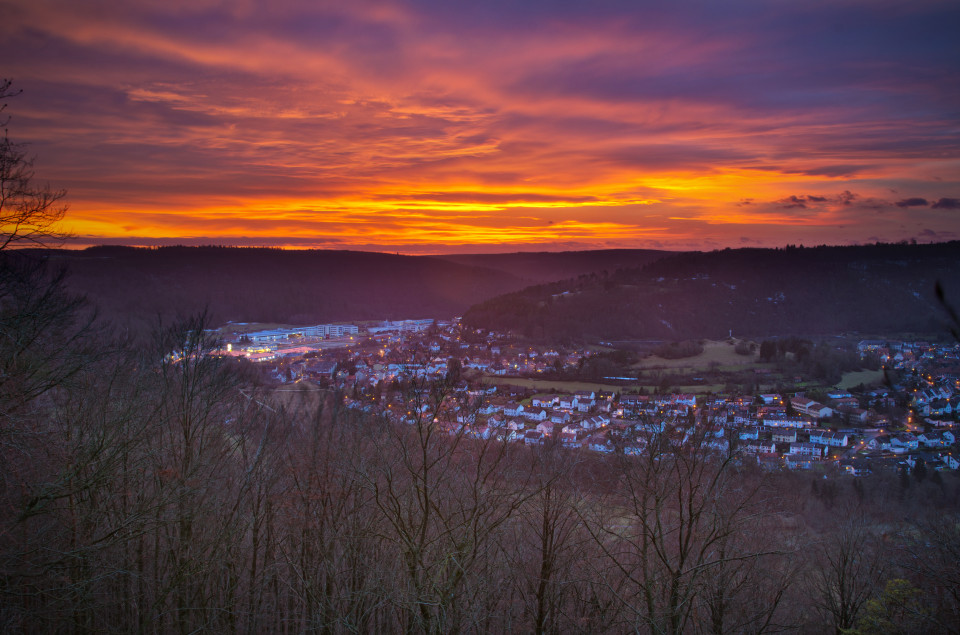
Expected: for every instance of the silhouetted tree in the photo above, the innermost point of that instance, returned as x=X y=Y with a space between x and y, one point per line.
x=29 y=212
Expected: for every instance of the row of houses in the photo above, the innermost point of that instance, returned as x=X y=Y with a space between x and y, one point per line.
x=905 y=441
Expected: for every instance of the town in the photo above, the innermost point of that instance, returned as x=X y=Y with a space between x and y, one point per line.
x=904 y=419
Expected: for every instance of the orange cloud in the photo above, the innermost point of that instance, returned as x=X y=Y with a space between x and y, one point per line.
x=385 y=123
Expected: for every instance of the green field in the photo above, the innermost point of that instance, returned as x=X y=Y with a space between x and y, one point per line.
x=865 y=377
x=554 y=386
x=718 y=353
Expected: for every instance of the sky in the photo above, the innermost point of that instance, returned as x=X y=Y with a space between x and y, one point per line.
x=443 y=126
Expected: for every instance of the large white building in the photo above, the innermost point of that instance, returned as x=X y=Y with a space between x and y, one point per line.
x=332 y=330
x=320 y=330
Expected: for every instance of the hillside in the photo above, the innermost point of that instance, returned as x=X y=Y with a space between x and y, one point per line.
x=302 y=286
x=753 y=292
x=545 y=266
x=269 y=285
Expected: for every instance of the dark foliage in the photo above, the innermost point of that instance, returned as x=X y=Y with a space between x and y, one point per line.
x=271 y=285
x=756 y=292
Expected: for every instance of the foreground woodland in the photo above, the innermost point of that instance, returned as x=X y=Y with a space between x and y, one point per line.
x=147 y=486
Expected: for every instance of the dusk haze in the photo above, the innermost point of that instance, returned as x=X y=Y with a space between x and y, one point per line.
x=438 y=127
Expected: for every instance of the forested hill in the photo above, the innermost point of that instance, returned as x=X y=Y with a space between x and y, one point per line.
x=270 y=285
x=753 y=292
x=544 y=266
x=303 y=286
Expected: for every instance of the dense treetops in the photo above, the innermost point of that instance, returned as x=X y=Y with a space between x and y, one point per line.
x=754 y=292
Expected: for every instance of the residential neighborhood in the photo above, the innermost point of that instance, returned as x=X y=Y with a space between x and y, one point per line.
x=838 y=432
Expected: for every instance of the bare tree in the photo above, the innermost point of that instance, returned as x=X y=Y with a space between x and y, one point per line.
x=330 y=540
x=553 y=574
x=29 y=213
x=848 y=570
x=667 y=529
x=443 y=496
x=930 y=552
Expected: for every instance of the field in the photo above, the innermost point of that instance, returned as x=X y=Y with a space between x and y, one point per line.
x=555 y=386
x=715 y=353
x=865 y=377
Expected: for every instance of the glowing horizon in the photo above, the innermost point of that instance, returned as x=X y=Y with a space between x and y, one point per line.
x=422 y=128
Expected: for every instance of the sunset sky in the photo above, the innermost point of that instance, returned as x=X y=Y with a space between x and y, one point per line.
x=446 y=126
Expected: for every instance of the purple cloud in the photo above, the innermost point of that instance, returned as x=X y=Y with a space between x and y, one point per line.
x=947 y=203
x=912 y=202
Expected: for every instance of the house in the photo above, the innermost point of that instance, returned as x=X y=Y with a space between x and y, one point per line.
x=846 y=402
x=572 y=429
x=513 y=424
x=684 y=399
x=320 y=370
x=940 y=408
x=718 y=444
x=490 y=408
x=855 y=415
x=545 y=428
x=811 y=408
x=904 y=441
x=544 y=401
x=513 y=409
x=601 y=445
x=496 y=421
x=632 y=402
x=716 y=431
x=592 y=423
x=855 y=467
x=759 y=447
x=533 y=437
x=784 y=422
x=536 y=414
x=833 y=439
x=797 y=462
x=569 y=439
x=587 y=396
x=808 y=449
x=479 y=432
x=932 y=440
x=785 y=435
x=749 y=434
x=567 y=402
x=769 y=461
x=929 y=459
x=880 y=442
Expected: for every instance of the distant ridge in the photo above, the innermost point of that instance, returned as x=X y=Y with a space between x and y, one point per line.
x=549 y=266
x=303 y=286
x=273 y=285
x=753 y=292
